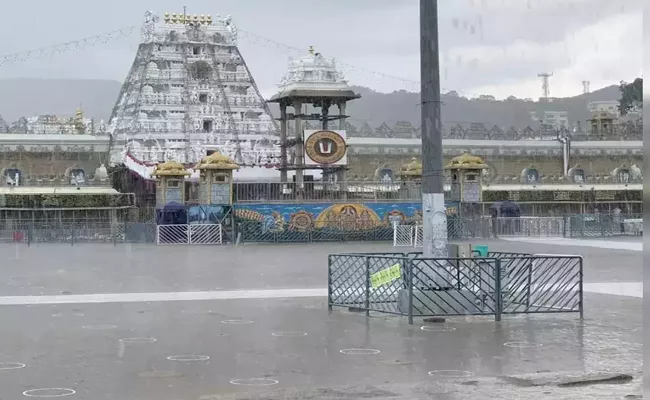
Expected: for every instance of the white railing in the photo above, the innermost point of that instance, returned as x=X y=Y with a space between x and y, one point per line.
x=530 y=226
x=189 y=234
x=633 y=226
x=407 y=235
x=172 y=234
x=205 y=234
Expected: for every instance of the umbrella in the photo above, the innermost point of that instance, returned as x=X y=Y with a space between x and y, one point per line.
x=172 y=213
x=505 y=209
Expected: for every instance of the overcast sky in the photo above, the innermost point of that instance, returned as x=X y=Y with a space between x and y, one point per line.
x=488 y=46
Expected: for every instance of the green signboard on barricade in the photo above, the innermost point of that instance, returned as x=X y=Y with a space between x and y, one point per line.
x=481 y=249
x=386 y=276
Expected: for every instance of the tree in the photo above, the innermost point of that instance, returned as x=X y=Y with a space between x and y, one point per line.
x=487 y=97
x=4 y=126
x=631 y=96
x=20 y=126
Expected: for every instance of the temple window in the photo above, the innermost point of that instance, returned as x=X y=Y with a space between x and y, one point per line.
x=220 y=179
x=207 y=125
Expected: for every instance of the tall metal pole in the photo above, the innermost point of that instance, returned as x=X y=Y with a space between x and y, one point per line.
x=433 y=198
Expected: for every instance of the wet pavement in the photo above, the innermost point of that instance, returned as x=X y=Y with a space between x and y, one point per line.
x=50 y=269
x=291 y=347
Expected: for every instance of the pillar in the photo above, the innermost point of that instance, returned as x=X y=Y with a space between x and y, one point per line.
x=325 y=113
x=283 y=141
x=342 y=172
x=299 y=148
x=433 y=201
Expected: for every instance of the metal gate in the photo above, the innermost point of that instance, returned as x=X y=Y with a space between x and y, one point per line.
x=188 y=234
x=205 y=234
x=408 y=284
x=407 y=235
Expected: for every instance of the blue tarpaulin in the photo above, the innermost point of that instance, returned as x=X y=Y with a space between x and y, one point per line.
x=172 y=213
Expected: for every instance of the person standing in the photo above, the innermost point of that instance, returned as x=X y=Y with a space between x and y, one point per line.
x=618 y=219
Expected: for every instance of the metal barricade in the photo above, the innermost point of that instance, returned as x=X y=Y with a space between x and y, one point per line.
x=419 y=236
x=403 y=235
x=543 y=284
x=172 y=234
x=455 y=286
x=350 y=282
x=413 y=286
x=205 y=234
x=530 y=226
x=407 y=235
x=189 y=234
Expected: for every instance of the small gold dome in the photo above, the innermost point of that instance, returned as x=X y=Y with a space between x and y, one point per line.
x=414 y=168
x=170 y=168
x=466 y=161
x=217 y=161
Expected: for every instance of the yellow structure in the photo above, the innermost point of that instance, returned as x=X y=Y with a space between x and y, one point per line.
x=602 y=123
x=466 y=175
x=170 y=183
x=215 y=181
x=412 y=171
x=189 y=19
x=411 y=175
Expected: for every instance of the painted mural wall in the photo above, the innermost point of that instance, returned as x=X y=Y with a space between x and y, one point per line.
x=346 y=216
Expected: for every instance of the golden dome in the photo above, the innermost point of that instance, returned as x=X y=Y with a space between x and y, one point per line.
x=414 y=168
x=217 y=161
x=170 y=168
x=466 y=161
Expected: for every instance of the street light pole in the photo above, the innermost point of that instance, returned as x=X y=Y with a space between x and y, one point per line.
x=434 y=241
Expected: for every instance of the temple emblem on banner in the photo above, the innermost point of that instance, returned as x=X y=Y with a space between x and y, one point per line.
x=325 y=147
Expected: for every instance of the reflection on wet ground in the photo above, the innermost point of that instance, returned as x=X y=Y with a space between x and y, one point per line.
x=293 y=348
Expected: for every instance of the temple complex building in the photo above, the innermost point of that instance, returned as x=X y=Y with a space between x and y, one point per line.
x=40 y=158
x=506 y=159
x=50 y=124
x=190 y=94
x=188 y=89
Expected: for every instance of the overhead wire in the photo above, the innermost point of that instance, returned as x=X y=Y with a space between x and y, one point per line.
x=127 y=31
x=63 y=47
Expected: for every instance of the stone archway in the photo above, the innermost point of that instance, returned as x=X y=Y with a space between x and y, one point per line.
x=530 y=175
x=385 y=174
x=12 y=176
x=578 y=175
x=621 y=174
x=75 y=175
